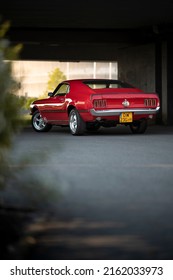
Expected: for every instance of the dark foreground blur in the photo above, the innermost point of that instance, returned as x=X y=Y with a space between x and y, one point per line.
x=116 y=197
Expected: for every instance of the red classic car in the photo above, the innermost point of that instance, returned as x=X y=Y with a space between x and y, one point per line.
x=87 y=104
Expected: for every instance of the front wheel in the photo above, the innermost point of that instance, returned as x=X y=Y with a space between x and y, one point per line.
x=39 y=124
x=76 y=124
x=139 y=127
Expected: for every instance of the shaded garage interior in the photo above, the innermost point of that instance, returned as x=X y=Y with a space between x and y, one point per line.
x=136 y=34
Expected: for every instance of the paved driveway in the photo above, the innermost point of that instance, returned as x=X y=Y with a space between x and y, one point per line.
x=116 y=192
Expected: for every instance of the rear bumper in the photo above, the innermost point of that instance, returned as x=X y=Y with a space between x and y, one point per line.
x=117 y=112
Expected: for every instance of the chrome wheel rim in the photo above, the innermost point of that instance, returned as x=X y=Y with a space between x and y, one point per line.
x=73 y=122
x=38 y=122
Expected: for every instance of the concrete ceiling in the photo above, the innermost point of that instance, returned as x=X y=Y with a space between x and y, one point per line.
x=82 y=26
x=94 y=14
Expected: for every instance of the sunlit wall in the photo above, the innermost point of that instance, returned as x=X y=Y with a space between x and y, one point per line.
x=33 y=75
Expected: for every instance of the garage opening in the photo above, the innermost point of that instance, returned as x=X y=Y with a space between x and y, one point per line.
x=33 y=75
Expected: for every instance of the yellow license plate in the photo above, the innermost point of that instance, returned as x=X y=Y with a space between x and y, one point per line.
x=126 y=117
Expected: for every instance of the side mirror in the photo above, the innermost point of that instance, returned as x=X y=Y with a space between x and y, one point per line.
x=50 y=94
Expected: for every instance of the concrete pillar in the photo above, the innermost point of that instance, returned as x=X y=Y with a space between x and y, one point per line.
x=164 y=80
x=158 y=76
x=164 y=104
x=170 y=82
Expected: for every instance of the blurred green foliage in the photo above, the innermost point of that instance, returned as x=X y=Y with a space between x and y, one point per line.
x=54 y=78
x=22 y=188
x=24 y=102
x=11 y=121
x=9 y=109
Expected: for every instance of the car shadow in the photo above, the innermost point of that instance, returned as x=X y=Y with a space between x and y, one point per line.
x=125 y=130
x=118 y=130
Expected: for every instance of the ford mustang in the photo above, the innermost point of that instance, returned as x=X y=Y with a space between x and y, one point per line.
x=87 y=104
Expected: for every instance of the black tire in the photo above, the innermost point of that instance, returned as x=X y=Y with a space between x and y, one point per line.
x=76 y=124
x=38 y=123
x=139 y=127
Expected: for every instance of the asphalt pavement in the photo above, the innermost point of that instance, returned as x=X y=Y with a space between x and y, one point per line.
x=112 y=193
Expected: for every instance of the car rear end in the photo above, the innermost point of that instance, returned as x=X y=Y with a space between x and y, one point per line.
x=128 y=106
x=124 y=106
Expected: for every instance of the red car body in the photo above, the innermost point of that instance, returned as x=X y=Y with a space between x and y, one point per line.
x=87 y=104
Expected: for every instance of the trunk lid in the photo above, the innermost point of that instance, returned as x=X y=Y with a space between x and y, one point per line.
x=124 y=98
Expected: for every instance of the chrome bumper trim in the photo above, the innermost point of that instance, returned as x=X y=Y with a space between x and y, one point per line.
x=117 y=112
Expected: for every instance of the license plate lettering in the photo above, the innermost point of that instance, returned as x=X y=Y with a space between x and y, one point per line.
x=126 y=117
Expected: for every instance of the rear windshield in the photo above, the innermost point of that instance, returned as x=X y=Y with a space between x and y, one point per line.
x=106 y=84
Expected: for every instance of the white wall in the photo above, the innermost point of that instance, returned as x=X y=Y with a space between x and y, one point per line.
x=33 y=75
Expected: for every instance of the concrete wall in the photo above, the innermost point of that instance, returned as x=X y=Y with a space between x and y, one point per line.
x=136 y=65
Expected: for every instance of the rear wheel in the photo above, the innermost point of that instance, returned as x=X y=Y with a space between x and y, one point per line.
x=39 y=124
x=77 y=125
x=139 y=127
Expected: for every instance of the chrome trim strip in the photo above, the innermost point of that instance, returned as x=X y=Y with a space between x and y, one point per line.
x=46 y=104
x=117 y=112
